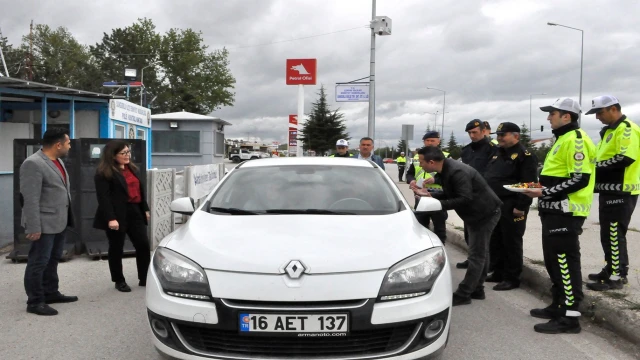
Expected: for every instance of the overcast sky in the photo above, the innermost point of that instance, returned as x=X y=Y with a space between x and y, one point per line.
x=488 y=55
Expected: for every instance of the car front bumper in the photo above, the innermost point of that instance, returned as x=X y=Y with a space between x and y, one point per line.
x=378 y=330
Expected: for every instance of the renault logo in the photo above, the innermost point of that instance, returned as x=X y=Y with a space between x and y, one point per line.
x=295 y=269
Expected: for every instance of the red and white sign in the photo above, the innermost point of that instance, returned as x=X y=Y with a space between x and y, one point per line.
x=301 y=71
x=293 y=120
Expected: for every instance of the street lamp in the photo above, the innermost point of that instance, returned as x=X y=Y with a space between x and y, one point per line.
x=443 y=104
x=581 y=60
x=435 y=118
x=380 y=25
x=530 y=128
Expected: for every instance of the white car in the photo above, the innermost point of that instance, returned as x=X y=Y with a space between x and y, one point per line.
x=301 y=258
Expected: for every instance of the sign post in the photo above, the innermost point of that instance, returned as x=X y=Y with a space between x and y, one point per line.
x=292 y=135
x=300 y=72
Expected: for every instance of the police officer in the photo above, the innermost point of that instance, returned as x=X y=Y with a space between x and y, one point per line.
x=432 y=182
x=511 y=164
x=477 y=155
x=402 y=163
x=568 y=177
x=618 y=182
x=487 y=132
x=342 y=149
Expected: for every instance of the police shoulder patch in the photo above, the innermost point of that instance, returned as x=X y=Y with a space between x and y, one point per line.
x=527 y=153
x=578 y=156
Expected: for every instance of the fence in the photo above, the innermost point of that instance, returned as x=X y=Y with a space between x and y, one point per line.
x=166 y=185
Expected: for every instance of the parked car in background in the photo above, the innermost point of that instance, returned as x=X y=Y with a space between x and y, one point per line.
x=388 y=160
x=239 y=155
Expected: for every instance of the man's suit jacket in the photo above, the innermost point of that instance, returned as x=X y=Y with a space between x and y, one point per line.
x=46 y=198
x=113 y=197
x=377 y=159
x=466 y=192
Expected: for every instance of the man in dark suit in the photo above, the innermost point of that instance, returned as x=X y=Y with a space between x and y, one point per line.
x=46 y=213
x=466 y=192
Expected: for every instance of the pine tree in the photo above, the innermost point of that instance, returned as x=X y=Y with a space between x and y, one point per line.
x=323 y=127
x=402 y=146
x=525 y=137
x=453 y=148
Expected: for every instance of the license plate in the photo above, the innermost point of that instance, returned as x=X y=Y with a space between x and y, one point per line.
x=292 y=324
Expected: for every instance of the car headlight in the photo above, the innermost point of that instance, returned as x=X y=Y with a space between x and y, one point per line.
x=180 y=276
x=413 y=276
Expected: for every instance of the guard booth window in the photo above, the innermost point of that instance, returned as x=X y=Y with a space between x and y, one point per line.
x=185 y=142
x=118 y=132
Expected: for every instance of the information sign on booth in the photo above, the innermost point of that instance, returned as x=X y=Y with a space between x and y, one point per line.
x=130 y=121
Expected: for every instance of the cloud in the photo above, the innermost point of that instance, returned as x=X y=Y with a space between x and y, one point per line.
x=489 y=56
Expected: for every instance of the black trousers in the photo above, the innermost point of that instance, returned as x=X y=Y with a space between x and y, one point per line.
x=137 y=231
x=561 y=249
x=400 y=172
x=506 y=257
x=615 y=214
x=439 y=220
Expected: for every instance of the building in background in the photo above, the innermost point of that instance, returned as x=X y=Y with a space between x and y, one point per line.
x=181 y=139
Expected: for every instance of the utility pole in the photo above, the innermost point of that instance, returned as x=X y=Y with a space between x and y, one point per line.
x=31 y=51
x=372 y=76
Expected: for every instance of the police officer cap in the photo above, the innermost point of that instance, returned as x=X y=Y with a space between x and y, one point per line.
x=473 y=124
x=486 y=125
x=342 y=142
x=431 y=135
x=506 y=127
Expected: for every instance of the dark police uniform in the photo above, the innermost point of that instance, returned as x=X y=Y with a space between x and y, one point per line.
x=509 y=166
x=477 y=155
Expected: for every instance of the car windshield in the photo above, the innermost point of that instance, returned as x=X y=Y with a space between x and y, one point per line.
x=305 y=189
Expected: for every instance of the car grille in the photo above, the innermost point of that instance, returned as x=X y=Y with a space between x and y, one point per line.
x=230 y=343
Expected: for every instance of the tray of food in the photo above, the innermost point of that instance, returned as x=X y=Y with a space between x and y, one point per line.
x=522 y=187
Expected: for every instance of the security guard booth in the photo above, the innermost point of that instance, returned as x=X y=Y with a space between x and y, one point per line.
x=81 y=163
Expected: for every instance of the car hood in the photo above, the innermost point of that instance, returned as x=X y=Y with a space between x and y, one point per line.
x=323 y=243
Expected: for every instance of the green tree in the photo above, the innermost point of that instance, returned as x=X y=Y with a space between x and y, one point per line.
x=541 y=152
x=525 y=137
x=323 y=127
x=402 y=146
x=13 y=57
x=59 y=59
x=453 y=148
x=179 y=70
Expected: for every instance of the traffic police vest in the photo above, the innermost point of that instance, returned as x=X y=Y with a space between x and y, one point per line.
x=349 y=155
x=618 y=141
x=573 y=152
x=401 y=160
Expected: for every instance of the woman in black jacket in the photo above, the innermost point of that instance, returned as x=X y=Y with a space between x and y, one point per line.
x=122 y=210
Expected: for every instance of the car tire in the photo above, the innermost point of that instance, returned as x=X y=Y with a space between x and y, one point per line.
x=235 y=159
x=253 y=158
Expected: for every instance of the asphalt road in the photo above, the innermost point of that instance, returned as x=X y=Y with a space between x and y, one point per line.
x=107 y=324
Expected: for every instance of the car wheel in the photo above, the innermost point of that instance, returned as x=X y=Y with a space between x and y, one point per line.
x=253 y=158
x=235 y=159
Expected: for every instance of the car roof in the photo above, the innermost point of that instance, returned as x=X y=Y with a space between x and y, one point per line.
x=311 y=160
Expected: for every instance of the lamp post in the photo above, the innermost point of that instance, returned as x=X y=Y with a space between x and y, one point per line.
x=444 y=101
x=581 y=60
x=530 y=128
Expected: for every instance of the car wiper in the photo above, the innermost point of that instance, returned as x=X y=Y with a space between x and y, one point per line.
x=308 y=211
x=233 y=211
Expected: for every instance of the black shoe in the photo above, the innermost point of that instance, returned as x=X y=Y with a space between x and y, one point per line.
x=602 y=275
x=463 y=265
x=493 y=278
x=122 y=286
x=42 y=309
x=563 y=325
x=604 y=285
x=60 y=298
x=550 y=312
x=142 y=283
x=506 y=285
x=460 y=300
x=478 y=295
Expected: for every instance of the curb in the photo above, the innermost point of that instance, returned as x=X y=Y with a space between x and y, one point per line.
x=611 y=314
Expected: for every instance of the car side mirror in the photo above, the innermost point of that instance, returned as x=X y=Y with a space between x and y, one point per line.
x=184 y=206
x=428 y=204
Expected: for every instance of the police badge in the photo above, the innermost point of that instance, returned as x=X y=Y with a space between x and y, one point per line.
x=514 y=156
x=609 y=137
